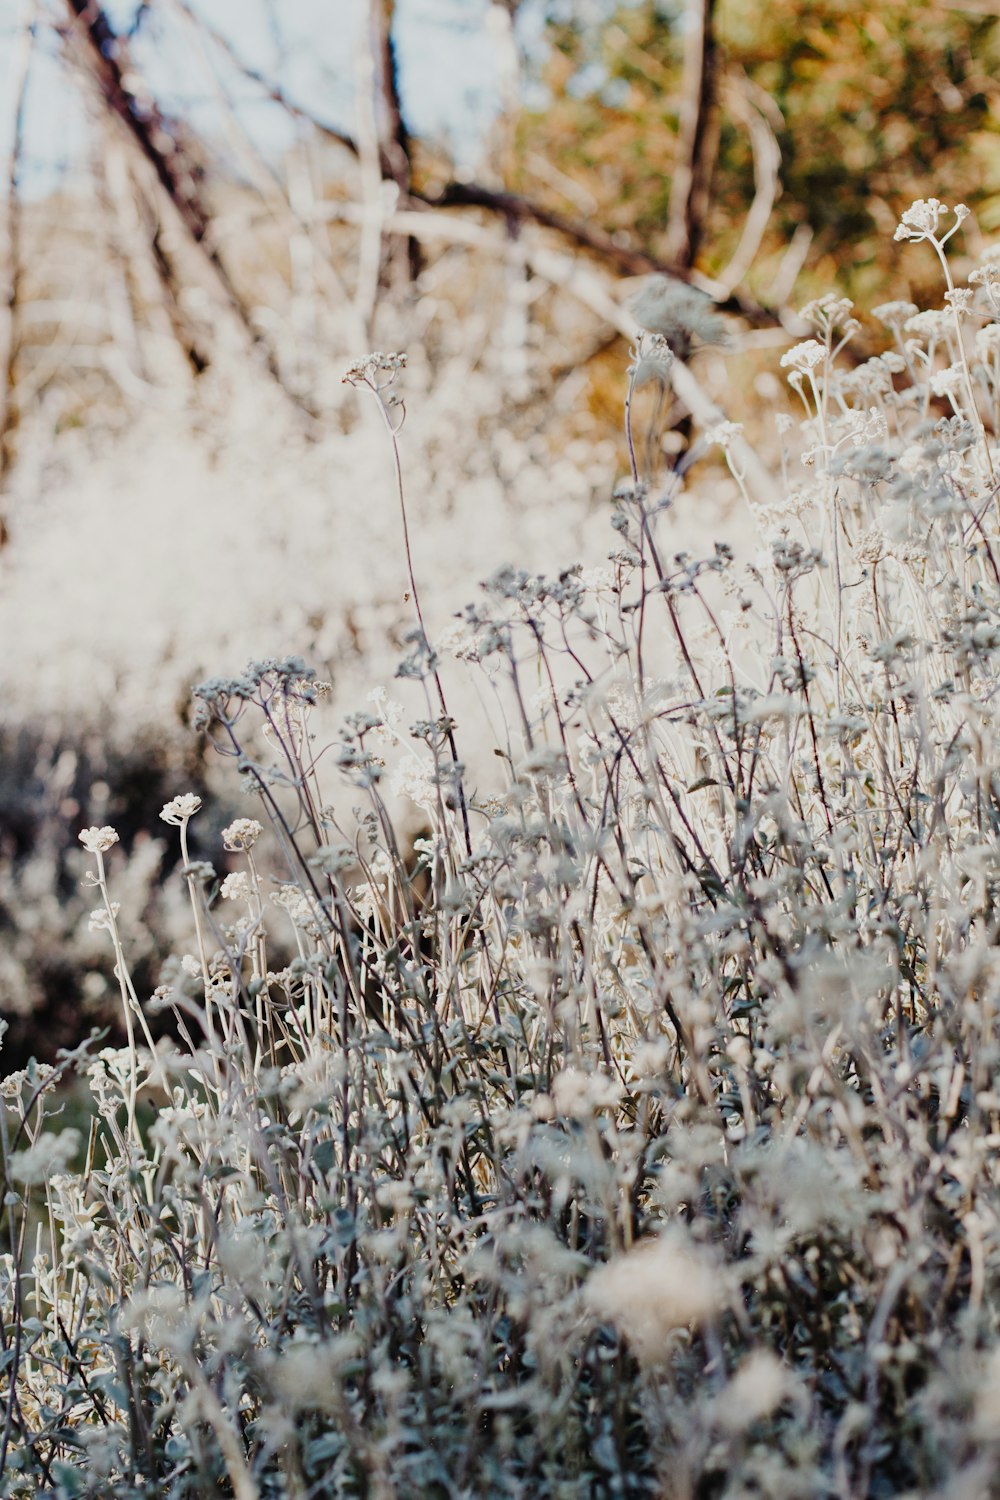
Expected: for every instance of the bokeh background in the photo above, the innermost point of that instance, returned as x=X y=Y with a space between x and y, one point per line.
x=210 y=209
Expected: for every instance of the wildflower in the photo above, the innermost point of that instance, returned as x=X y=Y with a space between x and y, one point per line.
x=180 y=809
x=660 y=1285
x=960 y=298
x=242 y=834
x=921 y=220
x=773 y=706
x=947 y=382
x=52 y=1152
x=102 y=918
x=364 y=371
x=160 y=1312
x=580 y=1094
x=804 y=356
x=306 y=1375
x=236 y=887
x=871 y=546
x=724 y=433
x=415 y=780
x=652 y=358
x=827 y=312
x=932 y=323
x=97 y=840
x=894 y=314
x=298 y=906
x=758 y=1386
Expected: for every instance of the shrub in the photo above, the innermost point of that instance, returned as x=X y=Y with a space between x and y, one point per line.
x=635 y=1131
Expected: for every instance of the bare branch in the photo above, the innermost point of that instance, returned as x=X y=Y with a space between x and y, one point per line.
x=391 y=132
x=268 y=86
x=581 y=281
x=747 y=106
x=689 y=189
x=160 y=143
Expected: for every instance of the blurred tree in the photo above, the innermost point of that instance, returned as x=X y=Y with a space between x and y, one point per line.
x=869 y=106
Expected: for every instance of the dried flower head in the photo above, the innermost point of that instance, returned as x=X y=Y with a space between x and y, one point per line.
x=241 y=834
x=367 y=370
x=922 y=218
x=97 y=840
x=804 y=357
x=894 y=314
x=181 y=809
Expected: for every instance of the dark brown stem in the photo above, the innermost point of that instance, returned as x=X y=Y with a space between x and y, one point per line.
x=393 y=137
x=698 y=139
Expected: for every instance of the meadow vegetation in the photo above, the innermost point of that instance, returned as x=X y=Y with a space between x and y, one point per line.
x=630 y=1131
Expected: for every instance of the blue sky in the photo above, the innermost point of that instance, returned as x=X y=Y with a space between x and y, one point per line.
x=448 y=76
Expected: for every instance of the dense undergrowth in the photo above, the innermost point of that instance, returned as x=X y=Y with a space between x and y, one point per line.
x=632 y=1132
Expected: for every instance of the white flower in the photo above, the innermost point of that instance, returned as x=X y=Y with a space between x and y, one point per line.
x=892 y=314
x=932 y=323
x=660 y=1285
x=102 y=919
x=827 y=312
x=871 y=546
x=44 y=1158
x=804 y=356
x=367 y=370
x=160 y=1312
x=96 y=840
x=921 y=220
x=774 y=706
x=580 y=1094
x=242 y=834
x=947 y=382
x=960 y=298
x=306 y=1376
x=236 y=887
x=180 y=809
x=723 y=433
x=759 y=1385
x=414 y=779
x=300 y=909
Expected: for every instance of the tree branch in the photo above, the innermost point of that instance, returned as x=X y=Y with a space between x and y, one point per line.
x=581 y=281
x=105 y=56
x=393 y=137
x=689 y=189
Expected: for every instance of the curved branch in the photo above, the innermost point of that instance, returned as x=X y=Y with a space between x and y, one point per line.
x=750 y=111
